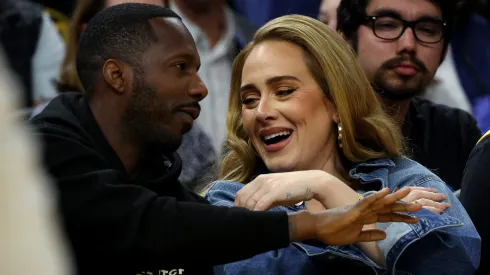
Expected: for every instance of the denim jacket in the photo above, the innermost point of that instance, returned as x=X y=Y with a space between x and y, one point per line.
x=446 y=243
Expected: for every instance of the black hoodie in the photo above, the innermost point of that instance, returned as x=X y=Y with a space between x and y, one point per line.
x=118 y=225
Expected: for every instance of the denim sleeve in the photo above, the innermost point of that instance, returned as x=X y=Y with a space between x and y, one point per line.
x=223 y=193
x=446 y=243
x=289 y=260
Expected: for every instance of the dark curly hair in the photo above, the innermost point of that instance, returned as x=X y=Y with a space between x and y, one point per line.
x=351 y=14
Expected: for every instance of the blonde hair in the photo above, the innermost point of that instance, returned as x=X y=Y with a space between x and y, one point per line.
x=368 y=133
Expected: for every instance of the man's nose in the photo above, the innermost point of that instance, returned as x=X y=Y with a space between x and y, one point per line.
x=198 y=89
x=407 y=42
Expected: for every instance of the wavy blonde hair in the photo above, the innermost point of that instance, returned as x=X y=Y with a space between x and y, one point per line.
x=368 y=133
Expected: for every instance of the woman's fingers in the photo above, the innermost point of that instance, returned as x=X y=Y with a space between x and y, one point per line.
x=434 y=209
x=432 y=205
x=422 y=194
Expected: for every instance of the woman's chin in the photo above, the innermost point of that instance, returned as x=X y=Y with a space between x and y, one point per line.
x=277 y=167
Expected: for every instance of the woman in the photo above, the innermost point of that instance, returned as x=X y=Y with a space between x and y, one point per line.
x=301 y=106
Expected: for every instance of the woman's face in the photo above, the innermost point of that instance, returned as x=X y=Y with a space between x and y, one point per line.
x=285 y=112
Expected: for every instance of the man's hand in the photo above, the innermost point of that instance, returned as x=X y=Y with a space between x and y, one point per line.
x=344 y=225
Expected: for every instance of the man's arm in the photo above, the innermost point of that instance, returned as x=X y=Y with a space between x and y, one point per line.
x=107 y=220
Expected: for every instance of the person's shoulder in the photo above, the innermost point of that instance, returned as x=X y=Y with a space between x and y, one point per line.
x=407 y=172
x=64 y=111
x=223 y=192
x=442 y=113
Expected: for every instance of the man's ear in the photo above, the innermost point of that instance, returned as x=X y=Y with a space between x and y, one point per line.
x=113 y=75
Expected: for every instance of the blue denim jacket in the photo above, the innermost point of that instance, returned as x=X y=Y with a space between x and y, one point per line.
x=445 y=243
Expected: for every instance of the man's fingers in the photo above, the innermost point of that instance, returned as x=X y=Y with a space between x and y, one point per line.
x=371 y=235
x=367 y=201
x=400 y=206
x=396 y=217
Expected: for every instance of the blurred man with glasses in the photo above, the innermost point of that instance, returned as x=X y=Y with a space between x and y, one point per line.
x=400 y=45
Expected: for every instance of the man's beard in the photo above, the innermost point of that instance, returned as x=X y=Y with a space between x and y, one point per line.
x=405 y=91
x=145 y=121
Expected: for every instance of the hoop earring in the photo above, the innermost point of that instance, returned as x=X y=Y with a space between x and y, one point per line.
x=339 y=138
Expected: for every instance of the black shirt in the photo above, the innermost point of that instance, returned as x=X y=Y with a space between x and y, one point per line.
x=475 y=196
x=440 y=138
x=118 y=225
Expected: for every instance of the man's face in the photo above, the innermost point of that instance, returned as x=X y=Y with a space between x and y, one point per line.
x=163 y=103
x=401 y=68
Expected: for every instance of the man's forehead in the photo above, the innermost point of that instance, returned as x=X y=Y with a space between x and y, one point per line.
x=164 y=26
x=173 y=39
x=407 y=9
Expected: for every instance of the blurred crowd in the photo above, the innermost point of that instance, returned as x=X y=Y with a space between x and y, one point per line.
x=67 y=123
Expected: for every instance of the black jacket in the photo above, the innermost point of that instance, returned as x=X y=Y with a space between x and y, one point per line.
x=118 y=225
x=440 y=138
x=475 y=191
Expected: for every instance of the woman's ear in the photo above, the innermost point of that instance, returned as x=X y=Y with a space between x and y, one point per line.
x=336 y=118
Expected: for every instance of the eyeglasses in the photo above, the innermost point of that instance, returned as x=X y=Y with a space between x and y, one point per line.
x=392 y=28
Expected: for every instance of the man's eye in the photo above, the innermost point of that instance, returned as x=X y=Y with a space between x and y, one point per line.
x=181 y=66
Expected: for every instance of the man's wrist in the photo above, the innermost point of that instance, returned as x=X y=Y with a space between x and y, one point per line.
x=301 y=226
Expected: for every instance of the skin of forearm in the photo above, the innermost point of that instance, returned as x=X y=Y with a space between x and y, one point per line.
x=326 y=196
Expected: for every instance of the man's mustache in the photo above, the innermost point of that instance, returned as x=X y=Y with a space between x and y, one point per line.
x=392 y=63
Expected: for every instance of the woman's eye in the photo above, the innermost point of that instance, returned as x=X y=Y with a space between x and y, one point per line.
x=248 y=101
x=285 y=92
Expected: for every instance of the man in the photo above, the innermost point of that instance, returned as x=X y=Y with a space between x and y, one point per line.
x=111 y=153
x=219 y=34
x=400 y=45
x=475 y=190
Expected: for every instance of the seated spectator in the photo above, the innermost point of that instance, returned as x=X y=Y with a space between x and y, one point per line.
x=306 y=132
x=33 y=47
x=400 y=60
x=111 y=153
x=475 y=190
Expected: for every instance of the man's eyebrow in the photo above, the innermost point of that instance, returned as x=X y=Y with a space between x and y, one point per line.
x=386 y=12
x=270 y=81
x=396 y=14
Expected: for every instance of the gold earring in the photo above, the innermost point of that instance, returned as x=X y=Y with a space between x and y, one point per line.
x=339 y=128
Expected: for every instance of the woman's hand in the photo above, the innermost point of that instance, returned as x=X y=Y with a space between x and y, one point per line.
x=270 y=190
x=345 y=225
x=429 y=198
